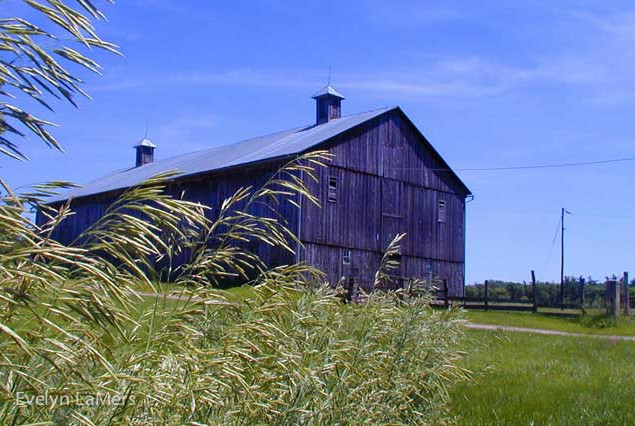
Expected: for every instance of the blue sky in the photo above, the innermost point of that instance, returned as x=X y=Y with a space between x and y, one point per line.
x=490 y=84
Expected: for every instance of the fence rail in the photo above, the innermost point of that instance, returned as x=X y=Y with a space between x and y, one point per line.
x=614 y=296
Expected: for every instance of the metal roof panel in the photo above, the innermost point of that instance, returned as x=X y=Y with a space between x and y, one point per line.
x=253 y=150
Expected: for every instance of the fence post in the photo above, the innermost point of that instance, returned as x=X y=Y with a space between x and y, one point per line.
x=612 y=294
x=627 y=306
x=351 y=290
x=404 y=288
x=618 y=298
x=445 y=293
x=486 y=294
x=534 y=308
x=582 y=301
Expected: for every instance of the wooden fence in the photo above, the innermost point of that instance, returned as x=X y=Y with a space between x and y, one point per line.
x=486 y=302
x=616 y=298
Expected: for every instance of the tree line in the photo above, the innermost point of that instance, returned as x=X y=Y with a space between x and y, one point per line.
x=547 y=293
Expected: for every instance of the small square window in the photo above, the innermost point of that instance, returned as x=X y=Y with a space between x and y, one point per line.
x=428 y=271
x=346 y=257
x=442 y=211
x=332 y=189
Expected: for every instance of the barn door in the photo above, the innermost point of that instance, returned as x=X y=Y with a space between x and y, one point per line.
x=391 y=213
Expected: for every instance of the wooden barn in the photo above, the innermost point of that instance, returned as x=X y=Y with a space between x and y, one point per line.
x=385 y=178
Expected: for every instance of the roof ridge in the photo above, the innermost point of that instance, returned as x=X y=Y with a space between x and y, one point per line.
x=273 y=145
x=296 y=129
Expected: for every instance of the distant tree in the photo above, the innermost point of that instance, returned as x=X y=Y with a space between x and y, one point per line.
x=31 y=65
x=547 y=293
x=474 y=291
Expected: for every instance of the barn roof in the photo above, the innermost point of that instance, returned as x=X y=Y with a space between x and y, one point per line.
x=275 y=145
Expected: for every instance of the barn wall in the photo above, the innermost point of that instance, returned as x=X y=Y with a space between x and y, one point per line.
x=390 y=146
x=387 y=183
x=329 y=260
x=370 y=211
x=364 y=263
x=85 y=213
x=210 y=190
x=423 y=268
x=345 y=222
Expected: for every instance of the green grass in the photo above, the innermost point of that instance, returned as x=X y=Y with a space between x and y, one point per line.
x=585 y=324
x=235 y=294
x=525 y=379
x=242 y=292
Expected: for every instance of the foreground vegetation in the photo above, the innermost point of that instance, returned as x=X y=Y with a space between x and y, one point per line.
x=595 y=323
x=525 y=379
x=77 y=325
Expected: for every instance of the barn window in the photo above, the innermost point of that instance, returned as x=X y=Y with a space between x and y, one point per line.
x=346 y=257
x=442 y=211
x=332 y=189
x=428 y=270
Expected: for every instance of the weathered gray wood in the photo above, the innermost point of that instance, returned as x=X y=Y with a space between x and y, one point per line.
x=612 y=298
x=582 y=295
x=446 y=298
x=533 y=292
x=486 y=293
x=389 y=180
x=389 y=183
x=617 y=298
x=627 y=307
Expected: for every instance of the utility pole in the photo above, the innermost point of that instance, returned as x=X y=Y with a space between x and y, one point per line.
x=562 y=258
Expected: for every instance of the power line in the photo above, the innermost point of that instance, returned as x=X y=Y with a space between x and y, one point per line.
x=545 y=166
x=555 y=236
x=526 y=167
x=553 y=243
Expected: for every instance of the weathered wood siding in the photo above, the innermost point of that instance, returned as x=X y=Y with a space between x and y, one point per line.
x=329 y=260
x=346 y=222
x=210 y=190
x=389 y=181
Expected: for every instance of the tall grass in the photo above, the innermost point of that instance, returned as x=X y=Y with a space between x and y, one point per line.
x=74 y=327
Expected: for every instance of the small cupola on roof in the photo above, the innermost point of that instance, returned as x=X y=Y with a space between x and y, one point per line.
x=145 y=152
x=328 y=104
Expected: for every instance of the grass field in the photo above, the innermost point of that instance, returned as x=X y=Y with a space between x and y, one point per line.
x=525 y=379
x=575 y=324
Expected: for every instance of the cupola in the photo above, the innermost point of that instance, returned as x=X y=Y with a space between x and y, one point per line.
x=328 y=104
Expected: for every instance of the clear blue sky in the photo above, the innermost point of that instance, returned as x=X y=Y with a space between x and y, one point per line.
x=490 y=84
